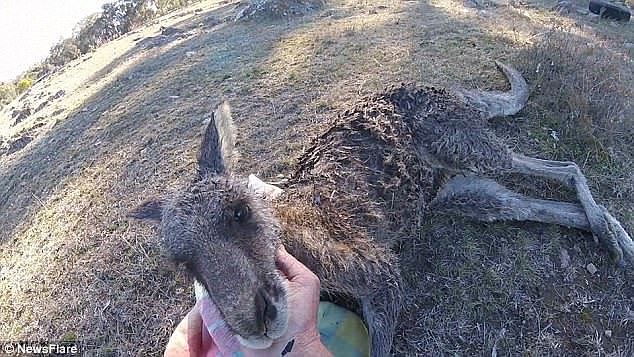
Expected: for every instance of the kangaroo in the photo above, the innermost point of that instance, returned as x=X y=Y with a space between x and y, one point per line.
x=362 y=186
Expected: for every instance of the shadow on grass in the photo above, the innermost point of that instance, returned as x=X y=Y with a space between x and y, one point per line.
x=132 y=126
x=120 y=111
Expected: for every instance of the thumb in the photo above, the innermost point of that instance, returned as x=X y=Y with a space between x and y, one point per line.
x=186 y=338
x=294 y=270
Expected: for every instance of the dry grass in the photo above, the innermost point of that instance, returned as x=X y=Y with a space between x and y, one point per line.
x=581 y=109
x=73 y=267
x=584 y=88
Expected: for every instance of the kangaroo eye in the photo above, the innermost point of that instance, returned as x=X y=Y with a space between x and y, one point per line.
x=241 y=213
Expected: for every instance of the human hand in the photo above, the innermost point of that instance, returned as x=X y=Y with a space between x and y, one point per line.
x=203 y=332
x=190 y=338
x=303 y=303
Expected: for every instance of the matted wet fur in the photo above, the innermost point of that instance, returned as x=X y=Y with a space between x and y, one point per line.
x=366 y=185
x=362 y=187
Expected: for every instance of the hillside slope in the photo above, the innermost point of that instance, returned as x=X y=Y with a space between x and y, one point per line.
x=123 y=123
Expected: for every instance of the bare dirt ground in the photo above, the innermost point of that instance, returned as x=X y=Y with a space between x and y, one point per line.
x=73 y=267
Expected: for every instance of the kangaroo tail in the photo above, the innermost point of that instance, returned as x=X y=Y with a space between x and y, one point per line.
x=496 y=103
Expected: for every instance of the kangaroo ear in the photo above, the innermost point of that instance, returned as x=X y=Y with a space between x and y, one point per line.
x=149 y=210
x=217 y=147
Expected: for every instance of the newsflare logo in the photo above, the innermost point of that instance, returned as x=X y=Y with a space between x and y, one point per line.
x=35 y=348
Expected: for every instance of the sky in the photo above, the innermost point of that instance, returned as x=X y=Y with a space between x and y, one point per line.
x=29 y=28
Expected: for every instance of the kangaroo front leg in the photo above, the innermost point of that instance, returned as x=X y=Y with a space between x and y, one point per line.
x=379 y=290
x=381 y=310
x=363 y=271
x=603 y=225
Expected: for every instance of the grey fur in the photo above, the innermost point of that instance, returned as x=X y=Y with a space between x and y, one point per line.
x=486 y=200
x=358 y=191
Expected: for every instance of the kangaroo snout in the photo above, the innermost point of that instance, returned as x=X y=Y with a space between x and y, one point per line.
x=265 y=310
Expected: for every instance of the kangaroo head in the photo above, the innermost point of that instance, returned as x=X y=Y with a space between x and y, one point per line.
x=226 y=236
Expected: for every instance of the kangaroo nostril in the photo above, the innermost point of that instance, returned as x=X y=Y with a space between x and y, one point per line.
x=265 y=310
x=271 y=311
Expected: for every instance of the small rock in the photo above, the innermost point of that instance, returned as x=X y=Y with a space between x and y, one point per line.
x=591 y=268
x=565 y=258
x=609 y=10
x=608 y=333
x=190 y=54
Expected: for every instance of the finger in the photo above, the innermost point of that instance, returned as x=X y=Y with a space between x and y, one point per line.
x=294 y=270
x=194 y=327
x=290 y=266
x=207 y=342
x=186 y=337
x=194 y=321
